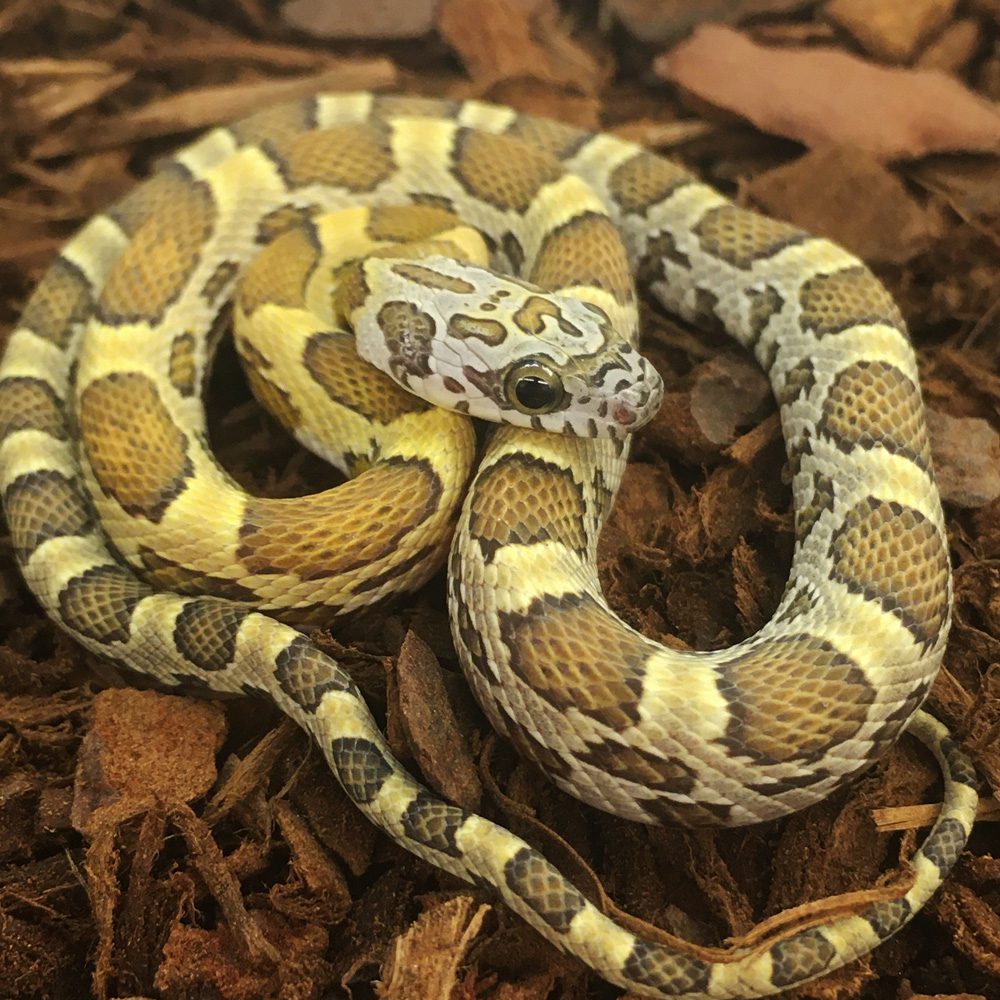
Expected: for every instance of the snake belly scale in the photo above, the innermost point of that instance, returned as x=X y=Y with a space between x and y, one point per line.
x=103 y=438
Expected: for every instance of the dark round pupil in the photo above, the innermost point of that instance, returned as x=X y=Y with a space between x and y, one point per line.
x=534 y=393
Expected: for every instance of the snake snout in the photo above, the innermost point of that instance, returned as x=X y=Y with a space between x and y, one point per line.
x=636 y=404
x=614 y=398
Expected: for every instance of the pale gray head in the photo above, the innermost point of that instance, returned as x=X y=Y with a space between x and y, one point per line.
x=469 y=339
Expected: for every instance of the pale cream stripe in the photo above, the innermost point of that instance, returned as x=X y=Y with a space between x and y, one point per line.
x=489 y=117
x=203 y=154
x=341 y=109
x=95 y=248
x=31 y=356
x=31 y=450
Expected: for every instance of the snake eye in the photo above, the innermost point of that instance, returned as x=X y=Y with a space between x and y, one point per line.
x=533 y=387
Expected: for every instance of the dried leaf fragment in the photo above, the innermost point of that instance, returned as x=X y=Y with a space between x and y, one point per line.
x=825 y=97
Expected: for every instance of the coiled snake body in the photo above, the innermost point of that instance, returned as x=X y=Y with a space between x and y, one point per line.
x=103 y=437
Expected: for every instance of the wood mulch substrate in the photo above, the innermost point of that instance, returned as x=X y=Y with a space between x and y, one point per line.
x=161 y=846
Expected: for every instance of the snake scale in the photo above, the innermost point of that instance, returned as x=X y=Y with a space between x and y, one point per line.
x=114 y=502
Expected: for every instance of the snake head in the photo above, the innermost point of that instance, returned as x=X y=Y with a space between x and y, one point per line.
x=498 y=348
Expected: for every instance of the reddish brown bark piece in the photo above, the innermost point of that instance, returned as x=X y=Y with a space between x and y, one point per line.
x=325 y=896
x=660 y=21
x=966 y=458
x=973 y=924
x=848 y=196
x=508 y=40
x=204 y=106
x=333 y=817
x=822 y=96
x=892 y=30
x=701 y=416
x=954 y=47
x=144 y=748
x=197 y=960
x=431 y=729
x=908 y=994
x=426 y=961
x=361 y=18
